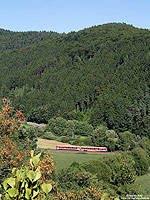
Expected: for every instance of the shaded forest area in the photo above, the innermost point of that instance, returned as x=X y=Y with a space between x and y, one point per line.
x=100 y=74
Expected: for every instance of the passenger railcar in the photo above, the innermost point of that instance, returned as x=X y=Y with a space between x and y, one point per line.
x=81 y=148
x=63 y=147
x=104 y=149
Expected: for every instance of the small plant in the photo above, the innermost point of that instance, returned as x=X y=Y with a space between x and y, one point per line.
x=25 y=183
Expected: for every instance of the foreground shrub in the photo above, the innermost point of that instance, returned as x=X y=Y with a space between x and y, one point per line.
x=15 y=141
x=10 y=120
x=76 y=183
x=73 y=178
x=142 y=161
x=25 y=183
x=123 y=172
x=100 y=168
x=117 y=172
x=46 y=167
x=11 y=155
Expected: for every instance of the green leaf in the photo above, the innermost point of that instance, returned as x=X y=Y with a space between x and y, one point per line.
x=5 y=185
x=11 y=181
x=28 y=193
x=37 y=176
x=31 y=175
x=35 y=193
x=7 y=196
x=32 y=153
x=35 y=160
x=46 y=188
x=12 y=192
x=14 y=170
x=104 y=196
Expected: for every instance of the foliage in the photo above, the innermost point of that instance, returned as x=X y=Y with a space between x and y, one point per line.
x=123 y=172
x=117 y=172
x=76 y=183
x=16 y=141
x=50 y=136
x=25 y=134
x=46 y=167
x=36 y=130
x=39 y=115
x=14 y=40
x=81 y=141
x=100 y=168
x=102 y=70
x=144 y=143
x=142 y=161
x=98 y=136
x=75 y=115
x=111 y=140
x=127 y=141
x=82 y=128
x=62 y=127
x=72 y=178
x=9 y=119
x=11 y=155
x=25 y=183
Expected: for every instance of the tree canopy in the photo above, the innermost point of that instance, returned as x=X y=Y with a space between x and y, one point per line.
x=103 y=70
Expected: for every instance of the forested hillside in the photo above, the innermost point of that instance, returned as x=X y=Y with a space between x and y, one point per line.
x=102 y=72
x=14 y=40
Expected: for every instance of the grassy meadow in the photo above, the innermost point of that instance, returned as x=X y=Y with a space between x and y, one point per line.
x=65 y=159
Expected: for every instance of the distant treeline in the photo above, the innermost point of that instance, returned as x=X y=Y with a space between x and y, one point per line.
x=15 y=40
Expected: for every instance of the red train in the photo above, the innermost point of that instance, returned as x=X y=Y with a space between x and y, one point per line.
x=78 y=148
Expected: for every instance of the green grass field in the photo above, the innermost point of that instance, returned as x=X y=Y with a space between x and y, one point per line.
x=144 y=183
x=65 y=159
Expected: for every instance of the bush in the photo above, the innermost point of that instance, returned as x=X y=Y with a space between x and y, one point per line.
x=25 y=183
x=80 y=141
x=61 y=127
x=10 y=120
x=64 y=139
x=37 y=131
x=142 y=161
x=127 y=141
x=82 y=128
x=87 y=141
x=49 y=136
x=11 y=155
x=26 y=134
x=74 y=178
x=15 y=140
x=100 y=168
x=117 y=172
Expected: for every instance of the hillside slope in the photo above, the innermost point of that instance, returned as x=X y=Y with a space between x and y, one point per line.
x=104 y=70
x=15 y=40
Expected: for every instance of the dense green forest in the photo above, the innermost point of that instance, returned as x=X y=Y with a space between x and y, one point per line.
x=15 y=40
x=100 y=75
